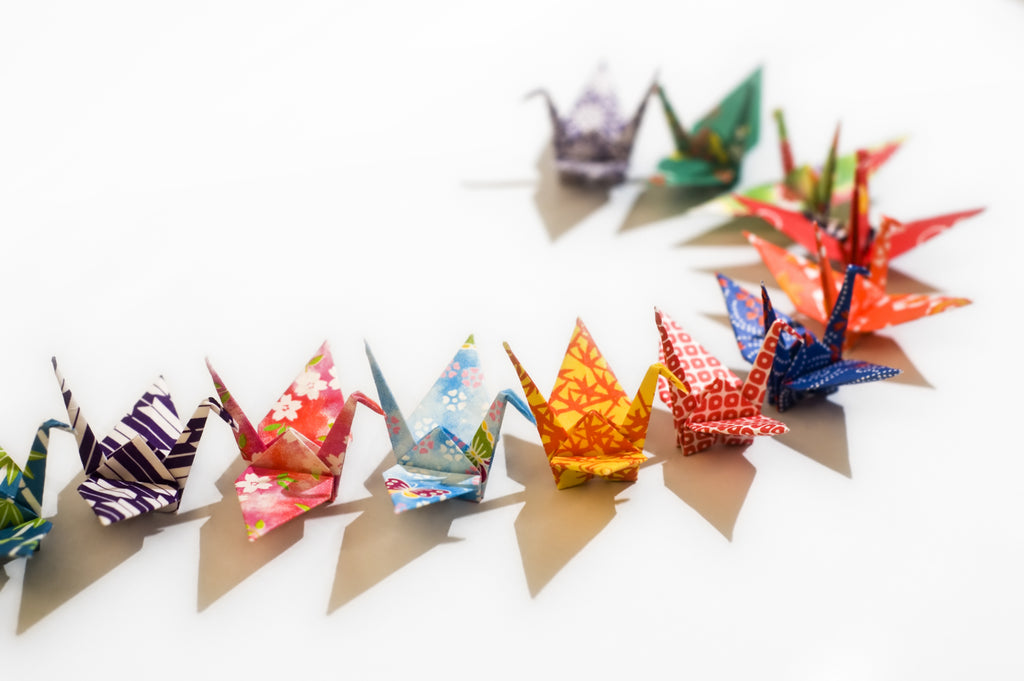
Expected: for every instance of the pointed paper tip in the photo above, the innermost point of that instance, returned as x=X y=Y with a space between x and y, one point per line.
x=470 y=340
x=53 y=361
x=536 y=92
x=659 y=318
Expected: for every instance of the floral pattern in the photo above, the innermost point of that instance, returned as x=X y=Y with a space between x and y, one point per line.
x=423 y=426
x=454 y=400
x=286 y=408
x=295 y=463
x=472 y=377
x=435 y=462
x=309 y=384
x=250 y=482
x=270 y=497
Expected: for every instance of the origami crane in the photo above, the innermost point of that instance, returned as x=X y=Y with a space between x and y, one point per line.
x=449 y=451
x=822 y=193
x=813 y=288
x=803 y=365
x=593 y=143
x=21 y=497
x=715 y=405
x=711 y=153
x=849 y=241
x=297 y=451
x=143 y=464
x=588 y=427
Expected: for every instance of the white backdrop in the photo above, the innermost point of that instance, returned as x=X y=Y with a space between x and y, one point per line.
x=241 y=180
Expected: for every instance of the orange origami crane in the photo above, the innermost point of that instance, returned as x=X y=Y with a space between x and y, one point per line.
x=715 y=406
x=589 y=427
x=813 y=288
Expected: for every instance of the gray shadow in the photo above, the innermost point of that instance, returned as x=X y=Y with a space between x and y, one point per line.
x=226 y=556
x=554 y=525
x=561 y=205
x=817 y=429
x=657 y=202
x=883 y=350
x=730 y=233
x=899 y=282
x=79 y=551
x=714 y=483
x=4 y=577
x=380 y=542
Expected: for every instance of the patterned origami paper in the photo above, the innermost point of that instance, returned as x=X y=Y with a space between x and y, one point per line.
x=711 y=153
x=715 y=406
x=803 y=365
x=849 y=240
x=21 y=497
x=143 y=464
x=588 y=426
x=813 y=288
x=449 y=450
x=593 y=143
x=297 y=451
x=823 y=192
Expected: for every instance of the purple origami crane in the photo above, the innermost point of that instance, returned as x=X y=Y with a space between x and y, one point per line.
x=593 y=143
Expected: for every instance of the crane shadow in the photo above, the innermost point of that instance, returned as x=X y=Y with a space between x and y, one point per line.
x=714 y=483
x=561 y=205
x=730 y=233
x=554 y=525
x=658 y=202
x=817 y=429
x=79 y=551
x=884 y=350
x=226 y=556
x=380 y=542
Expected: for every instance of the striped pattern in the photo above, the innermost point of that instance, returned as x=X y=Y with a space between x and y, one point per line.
x=144 y=463
x=116 y=500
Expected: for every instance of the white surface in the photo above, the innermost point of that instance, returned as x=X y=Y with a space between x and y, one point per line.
x=242 y=180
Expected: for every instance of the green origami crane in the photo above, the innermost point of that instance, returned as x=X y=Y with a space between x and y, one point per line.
x=710 y=154
x=21 y=497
